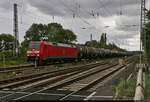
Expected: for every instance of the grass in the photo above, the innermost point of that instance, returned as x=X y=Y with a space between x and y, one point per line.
x=125 y=90
x=147 y=81
x=12 y=61
x=147 y=86
x=29 y=71
x=128 y=91
x=4 y=76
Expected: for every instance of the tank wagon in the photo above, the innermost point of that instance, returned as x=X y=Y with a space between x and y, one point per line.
x=42 y=51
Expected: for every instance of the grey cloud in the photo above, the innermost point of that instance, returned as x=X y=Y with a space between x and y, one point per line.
x=86 y=8
x=64 y=9
x=50 y=7
x=128 y=23
x=126 y=35
x=6 y=5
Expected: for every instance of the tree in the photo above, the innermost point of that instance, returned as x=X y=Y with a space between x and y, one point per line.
x=92 y=43
x=56 y=33
x=35 y=32
x=8 y=41
x=68 y=36
x=148 y=14
x=147 y=33
x=114 y=47
x=53 y=31
x=87 y=43
x=103 y=40
x=102 y=43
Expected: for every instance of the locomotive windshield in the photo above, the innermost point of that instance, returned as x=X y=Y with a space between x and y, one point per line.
x=34 y=45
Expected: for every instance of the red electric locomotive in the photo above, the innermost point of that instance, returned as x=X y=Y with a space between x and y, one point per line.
x=41 y=51
x=50 y=51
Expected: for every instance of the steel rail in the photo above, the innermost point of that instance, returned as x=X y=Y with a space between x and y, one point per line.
x=75 y=67
x=47 y=75
x=92 y=71
x=96 y=80
x=49 y=87
x=21 y=68
x=45 y=72
x=24 y=67
x=16 y=68
x=75 y=78
x=69 y=81
x=92 y=83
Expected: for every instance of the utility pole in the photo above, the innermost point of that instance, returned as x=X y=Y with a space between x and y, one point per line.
x=105 y=39
x=142 y=21
x=3 y=44
x=91 y=37
x=91 y=40
x=15 y=29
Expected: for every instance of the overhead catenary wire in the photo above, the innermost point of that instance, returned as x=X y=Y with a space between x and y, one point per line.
x=104 y=8
x=108 y=13
x=81 y=9
x=73 y=11
x=120 y=11
x=115 y=39
x=92 y=13
x=30 y=14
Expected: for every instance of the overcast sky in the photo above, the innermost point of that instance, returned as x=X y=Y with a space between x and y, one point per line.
x=120 y=19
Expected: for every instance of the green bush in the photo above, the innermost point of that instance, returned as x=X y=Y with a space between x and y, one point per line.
x=13 y=63
x=13 y=60
x=147 y=86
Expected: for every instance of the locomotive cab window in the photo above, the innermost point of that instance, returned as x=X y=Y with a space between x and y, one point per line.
x=45 y=46
x=34 y=45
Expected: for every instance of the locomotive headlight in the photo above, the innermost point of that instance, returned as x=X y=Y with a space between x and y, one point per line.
x=29 y=51
x=36 y=51
x=33 y=51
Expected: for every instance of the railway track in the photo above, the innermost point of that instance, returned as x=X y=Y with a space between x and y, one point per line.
x=65 y=85
x=13 y=82
x=22 y=68
x=15 y=68
x=31 y=66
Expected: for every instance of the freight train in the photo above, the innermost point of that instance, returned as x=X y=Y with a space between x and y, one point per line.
x=42 y=51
